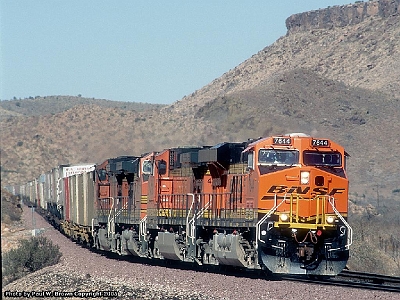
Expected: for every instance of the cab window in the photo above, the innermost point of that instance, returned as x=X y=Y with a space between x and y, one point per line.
x=102 y=175
x=278 y=157
x=147 y=167
x=162 y=167
x=250 y=161
x=330 y=159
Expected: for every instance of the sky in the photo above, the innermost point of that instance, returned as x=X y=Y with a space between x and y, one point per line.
x=128 y=50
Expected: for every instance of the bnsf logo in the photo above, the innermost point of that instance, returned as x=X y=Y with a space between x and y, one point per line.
x=282 y=189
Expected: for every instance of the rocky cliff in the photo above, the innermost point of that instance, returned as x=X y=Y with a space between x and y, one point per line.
x=340 y=16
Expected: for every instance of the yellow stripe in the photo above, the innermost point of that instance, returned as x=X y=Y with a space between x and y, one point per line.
x=263 y=211
x=143 y=199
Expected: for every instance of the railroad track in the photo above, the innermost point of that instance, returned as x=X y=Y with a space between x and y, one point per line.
x=346 y=278
x=388 y=283
x=354 y=279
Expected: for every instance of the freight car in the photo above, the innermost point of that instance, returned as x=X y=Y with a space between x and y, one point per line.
x=278 y=204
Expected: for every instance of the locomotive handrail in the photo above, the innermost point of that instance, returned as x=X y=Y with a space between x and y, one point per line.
x=109 y=217
x=116 y=213
x=92 y=226
x=190 y=224
x=331 y=201
x=187 y=217
x=123 y=207
x=262 y=220
x=143 y=227
x=111 y=220
x=206 y=206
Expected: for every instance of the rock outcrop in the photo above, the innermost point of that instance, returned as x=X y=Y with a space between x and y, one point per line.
x=343 y=15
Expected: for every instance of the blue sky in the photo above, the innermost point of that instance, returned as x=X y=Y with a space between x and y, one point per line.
x=128 y=50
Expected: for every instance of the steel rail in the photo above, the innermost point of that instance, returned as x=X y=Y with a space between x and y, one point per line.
x=371 y=277
x=353 y=279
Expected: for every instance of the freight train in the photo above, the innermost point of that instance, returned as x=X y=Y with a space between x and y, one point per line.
x=277 y=204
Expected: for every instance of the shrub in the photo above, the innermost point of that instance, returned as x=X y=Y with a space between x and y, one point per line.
x=10 y=208
x=31 y=255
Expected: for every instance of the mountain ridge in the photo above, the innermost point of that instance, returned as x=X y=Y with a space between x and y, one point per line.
x=321 y=50
x=342 y=15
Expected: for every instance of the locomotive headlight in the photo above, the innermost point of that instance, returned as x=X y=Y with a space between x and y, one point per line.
x=330 y=219
x=284 y=217
x=304 y=177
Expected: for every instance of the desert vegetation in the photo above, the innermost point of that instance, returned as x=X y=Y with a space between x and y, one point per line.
x=31 y=255
x=376 y=238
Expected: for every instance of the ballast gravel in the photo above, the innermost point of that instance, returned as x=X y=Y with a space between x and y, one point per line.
x=83 y=274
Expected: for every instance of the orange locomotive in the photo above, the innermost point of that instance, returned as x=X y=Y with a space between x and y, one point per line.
x=278 y=203
x=302 y=200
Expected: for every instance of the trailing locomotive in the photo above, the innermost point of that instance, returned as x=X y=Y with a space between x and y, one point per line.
x=278 y=203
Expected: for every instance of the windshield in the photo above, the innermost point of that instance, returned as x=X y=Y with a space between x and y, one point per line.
x=331 y=159
x=147 y=167
x=278 y=157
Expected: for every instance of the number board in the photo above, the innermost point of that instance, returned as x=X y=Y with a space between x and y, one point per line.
x=282 y=141
x=320 y=143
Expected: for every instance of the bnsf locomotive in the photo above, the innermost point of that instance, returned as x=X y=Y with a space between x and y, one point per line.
x=278 y=204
